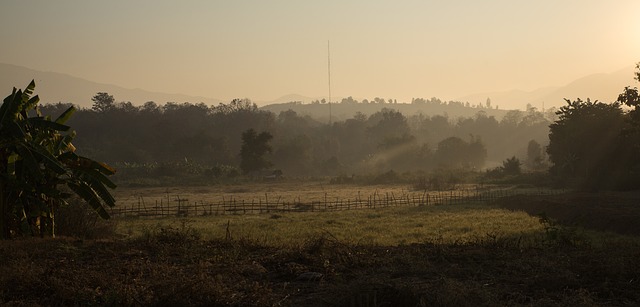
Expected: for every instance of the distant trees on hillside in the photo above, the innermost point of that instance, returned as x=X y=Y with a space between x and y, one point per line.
x=590 y=144
x=212 y=136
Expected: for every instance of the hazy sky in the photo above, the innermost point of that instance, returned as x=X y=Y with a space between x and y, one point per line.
x=266 y=49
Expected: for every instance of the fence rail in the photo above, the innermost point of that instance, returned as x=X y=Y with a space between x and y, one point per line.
x=183 y=207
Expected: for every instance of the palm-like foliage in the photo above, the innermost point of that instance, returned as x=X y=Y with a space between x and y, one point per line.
x=37 y=160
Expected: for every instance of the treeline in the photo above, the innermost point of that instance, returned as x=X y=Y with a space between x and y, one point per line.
x=595 y=145
x=346 y=107
x=208 y=139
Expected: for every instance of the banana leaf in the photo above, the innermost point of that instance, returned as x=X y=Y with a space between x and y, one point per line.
x=89 y=195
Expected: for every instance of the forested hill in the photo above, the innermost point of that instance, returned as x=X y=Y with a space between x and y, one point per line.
x=349 y=107
x=212 y=137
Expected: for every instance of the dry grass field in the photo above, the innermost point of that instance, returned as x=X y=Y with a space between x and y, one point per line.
x=289 y=191
x=574 y=249
x=388 y=226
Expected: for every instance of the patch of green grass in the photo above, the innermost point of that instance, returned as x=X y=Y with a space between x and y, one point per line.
x=389 y=226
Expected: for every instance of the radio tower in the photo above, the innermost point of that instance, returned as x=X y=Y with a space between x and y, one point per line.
x=329 y=71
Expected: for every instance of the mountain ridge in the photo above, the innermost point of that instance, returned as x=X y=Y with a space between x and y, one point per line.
x=603 y=87
x=60 y=87
x=53 y=87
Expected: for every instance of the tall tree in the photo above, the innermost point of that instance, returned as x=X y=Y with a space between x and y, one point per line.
x=584 y=139
x=630 y=97
x=535 y=159
x=454 y=152
x=103 y=102
x=254 y=148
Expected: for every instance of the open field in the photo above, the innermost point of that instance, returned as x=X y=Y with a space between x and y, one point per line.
x=289 y=191
x=388 y=226
x=545 y=250
x=282 y=196
x=282 y=190
x=434 y=222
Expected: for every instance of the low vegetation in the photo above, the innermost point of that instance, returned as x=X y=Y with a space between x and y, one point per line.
x=528 y=250
x=460 y=224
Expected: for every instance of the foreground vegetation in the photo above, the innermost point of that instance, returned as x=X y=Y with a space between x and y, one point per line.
x=492 y=254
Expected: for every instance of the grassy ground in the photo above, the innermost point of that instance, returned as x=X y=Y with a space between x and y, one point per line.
x=390 y=226
x=280 y=191
x=289 y=191
x=463 y=255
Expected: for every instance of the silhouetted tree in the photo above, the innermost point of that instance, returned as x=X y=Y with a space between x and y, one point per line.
x=584 y=139
x=511 y=166
x=294 y=155
x=452 y=152
x=512 y=119
x=150 y=107
x=348 y=100
x=237 y=105
x=387 y=124
x=535 y=158
x=103 y=102
x=254 y=148
x=476 y=153
x=631 y=97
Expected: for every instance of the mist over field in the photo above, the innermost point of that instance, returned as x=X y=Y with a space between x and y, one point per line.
x=350 y=153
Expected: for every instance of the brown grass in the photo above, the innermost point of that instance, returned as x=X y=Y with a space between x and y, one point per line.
x=283 y=190
x=171 y=269
x=325 y=260
x=390 y=226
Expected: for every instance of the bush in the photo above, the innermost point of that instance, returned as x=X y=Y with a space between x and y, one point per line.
x=496 y=176
x=439 y=181
x=511 y=166
x=182 y=235
x=78 y=220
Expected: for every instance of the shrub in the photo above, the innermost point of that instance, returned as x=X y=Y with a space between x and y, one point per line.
x=79 y=220
x=511 y=166
x=437 y=182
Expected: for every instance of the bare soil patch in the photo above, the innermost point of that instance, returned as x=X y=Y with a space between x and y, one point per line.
x=173 y=270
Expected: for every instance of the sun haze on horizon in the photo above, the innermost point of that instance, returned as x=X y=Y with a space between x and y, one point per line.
x=266 y=49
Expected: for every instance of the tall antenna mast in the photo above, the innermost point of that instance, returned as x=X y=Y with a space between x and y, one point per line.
x=329 y=70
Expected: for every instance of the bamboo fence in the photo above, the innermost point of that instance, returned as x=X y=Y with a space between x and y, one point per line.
x=179 y=206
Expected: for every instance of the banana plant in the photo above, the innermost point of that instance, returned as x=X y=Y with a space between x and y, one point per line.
x=39 y=168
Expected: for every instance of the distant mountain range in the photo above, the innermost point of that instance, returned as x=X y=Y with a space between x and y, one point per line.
x=601 y=87
x=56 y=87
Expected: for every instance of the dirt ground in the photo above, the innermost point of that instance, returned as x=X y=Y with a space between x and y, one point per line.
x=615 y=212
x=175 y=268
